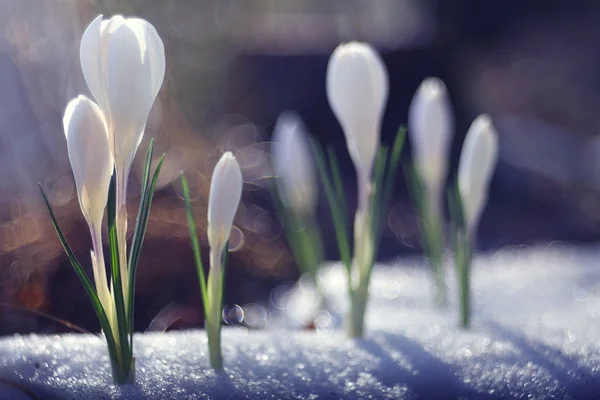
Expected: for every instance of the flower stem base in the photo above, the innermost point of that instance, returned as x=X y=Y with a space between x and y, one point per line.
x=358 y=307
x=213 y=331
x=121 y=375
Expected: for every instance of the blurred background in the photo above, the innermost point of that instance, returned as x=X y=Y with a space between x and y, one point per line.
x=232 y=68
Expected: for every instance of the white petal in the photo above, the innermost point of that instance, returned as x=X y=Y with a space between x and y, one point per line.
x=90 y=56
x=478 y=159
x=128 y=88
x=293 y=164
x=223 y=200
x=430 y=124
x=89 y=155
x=357 y=89
x=155 y=51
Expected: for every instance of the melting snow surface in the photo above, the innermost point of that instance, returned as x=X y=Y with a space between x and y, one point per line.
x=536 y=335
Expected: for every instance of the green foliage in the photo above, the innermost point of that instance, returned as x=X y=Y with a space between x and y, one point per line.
x=212 y=311
x=301 y=231
x=461 y=244
x=120 y=348
x=431 y=231
x=384 y=176
x=195 y=243
x=336 y=199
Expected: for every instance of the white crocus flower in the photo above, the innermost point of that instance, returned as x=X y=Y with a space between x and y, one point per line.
x=476 y=166
x=92 y=165
x=223 y=200
x=430 y=127
x=123 y=62
x=357 y=90
x=293 y=164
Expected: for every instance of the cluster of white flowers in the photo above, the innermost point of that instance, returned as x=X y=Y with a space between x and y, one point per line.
x=123 y=62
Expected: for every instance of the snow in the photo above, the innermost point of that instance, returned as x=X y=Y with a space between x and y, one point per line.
x=535 y=336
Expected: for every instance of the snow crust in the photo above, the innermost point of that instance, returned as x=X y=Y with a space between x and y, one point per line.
x=536 y=335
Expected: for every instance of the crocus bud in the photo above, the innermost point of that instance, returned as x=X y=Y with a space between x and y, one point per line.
x=223 y=200
x=91 y=161
x=123 y=62
x=430 y=129
x=292 y=164
x=477 y=163
x=357 y=90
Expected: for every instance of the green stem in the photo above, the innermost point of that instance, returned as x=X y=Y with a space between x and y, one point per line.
x=464 y=276
x=358 y=308
x=215 y=298
x=122 y=375
x=362 y=268
x=434 y=247
x=213 y=331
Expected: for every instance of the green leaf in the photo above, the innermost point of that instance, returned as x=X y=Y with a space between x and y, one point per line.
x=122 y=324
x=378 y=175
x=461 y=244
x=195 y=244
x=390 y=179
x=455 y=206
x=303 y=236
x=339 y=219
x=136 y=242
x=87 y=285
x=224 y=269
x=139 y=232
x=415 y=187
x=337 y=181
x=288 y=223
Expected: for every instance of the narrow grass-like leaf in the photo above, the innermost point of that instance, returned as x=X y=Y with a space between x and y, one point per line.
x=455 y=207
x=195 y=243
x=337 y=182
x=462 y=254
x=87 y=285
x=390 y=182
x=378 y=175
x=138 y=239
x=288 y=223
x=302 y=234
x=224 y=269
x=339 y=220
x=415 y=187
x=431 y=233
x=122 y=325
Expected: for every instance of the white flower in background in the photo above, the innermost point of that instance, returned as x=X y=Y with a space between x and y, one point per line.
x=430 y=127
x=123 y=62
x=223 y=200
x=357 y=90
x=293 y=164
x=478 y=160
x=92 y=165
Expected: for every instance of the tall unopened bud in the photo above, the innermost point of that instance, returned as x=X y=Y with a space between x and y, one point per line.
x=92 y=165
x=293 y=164
x=89 y=155
x=357 y=90
x=223 y=200
x=478 y=160
x=430 y=127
